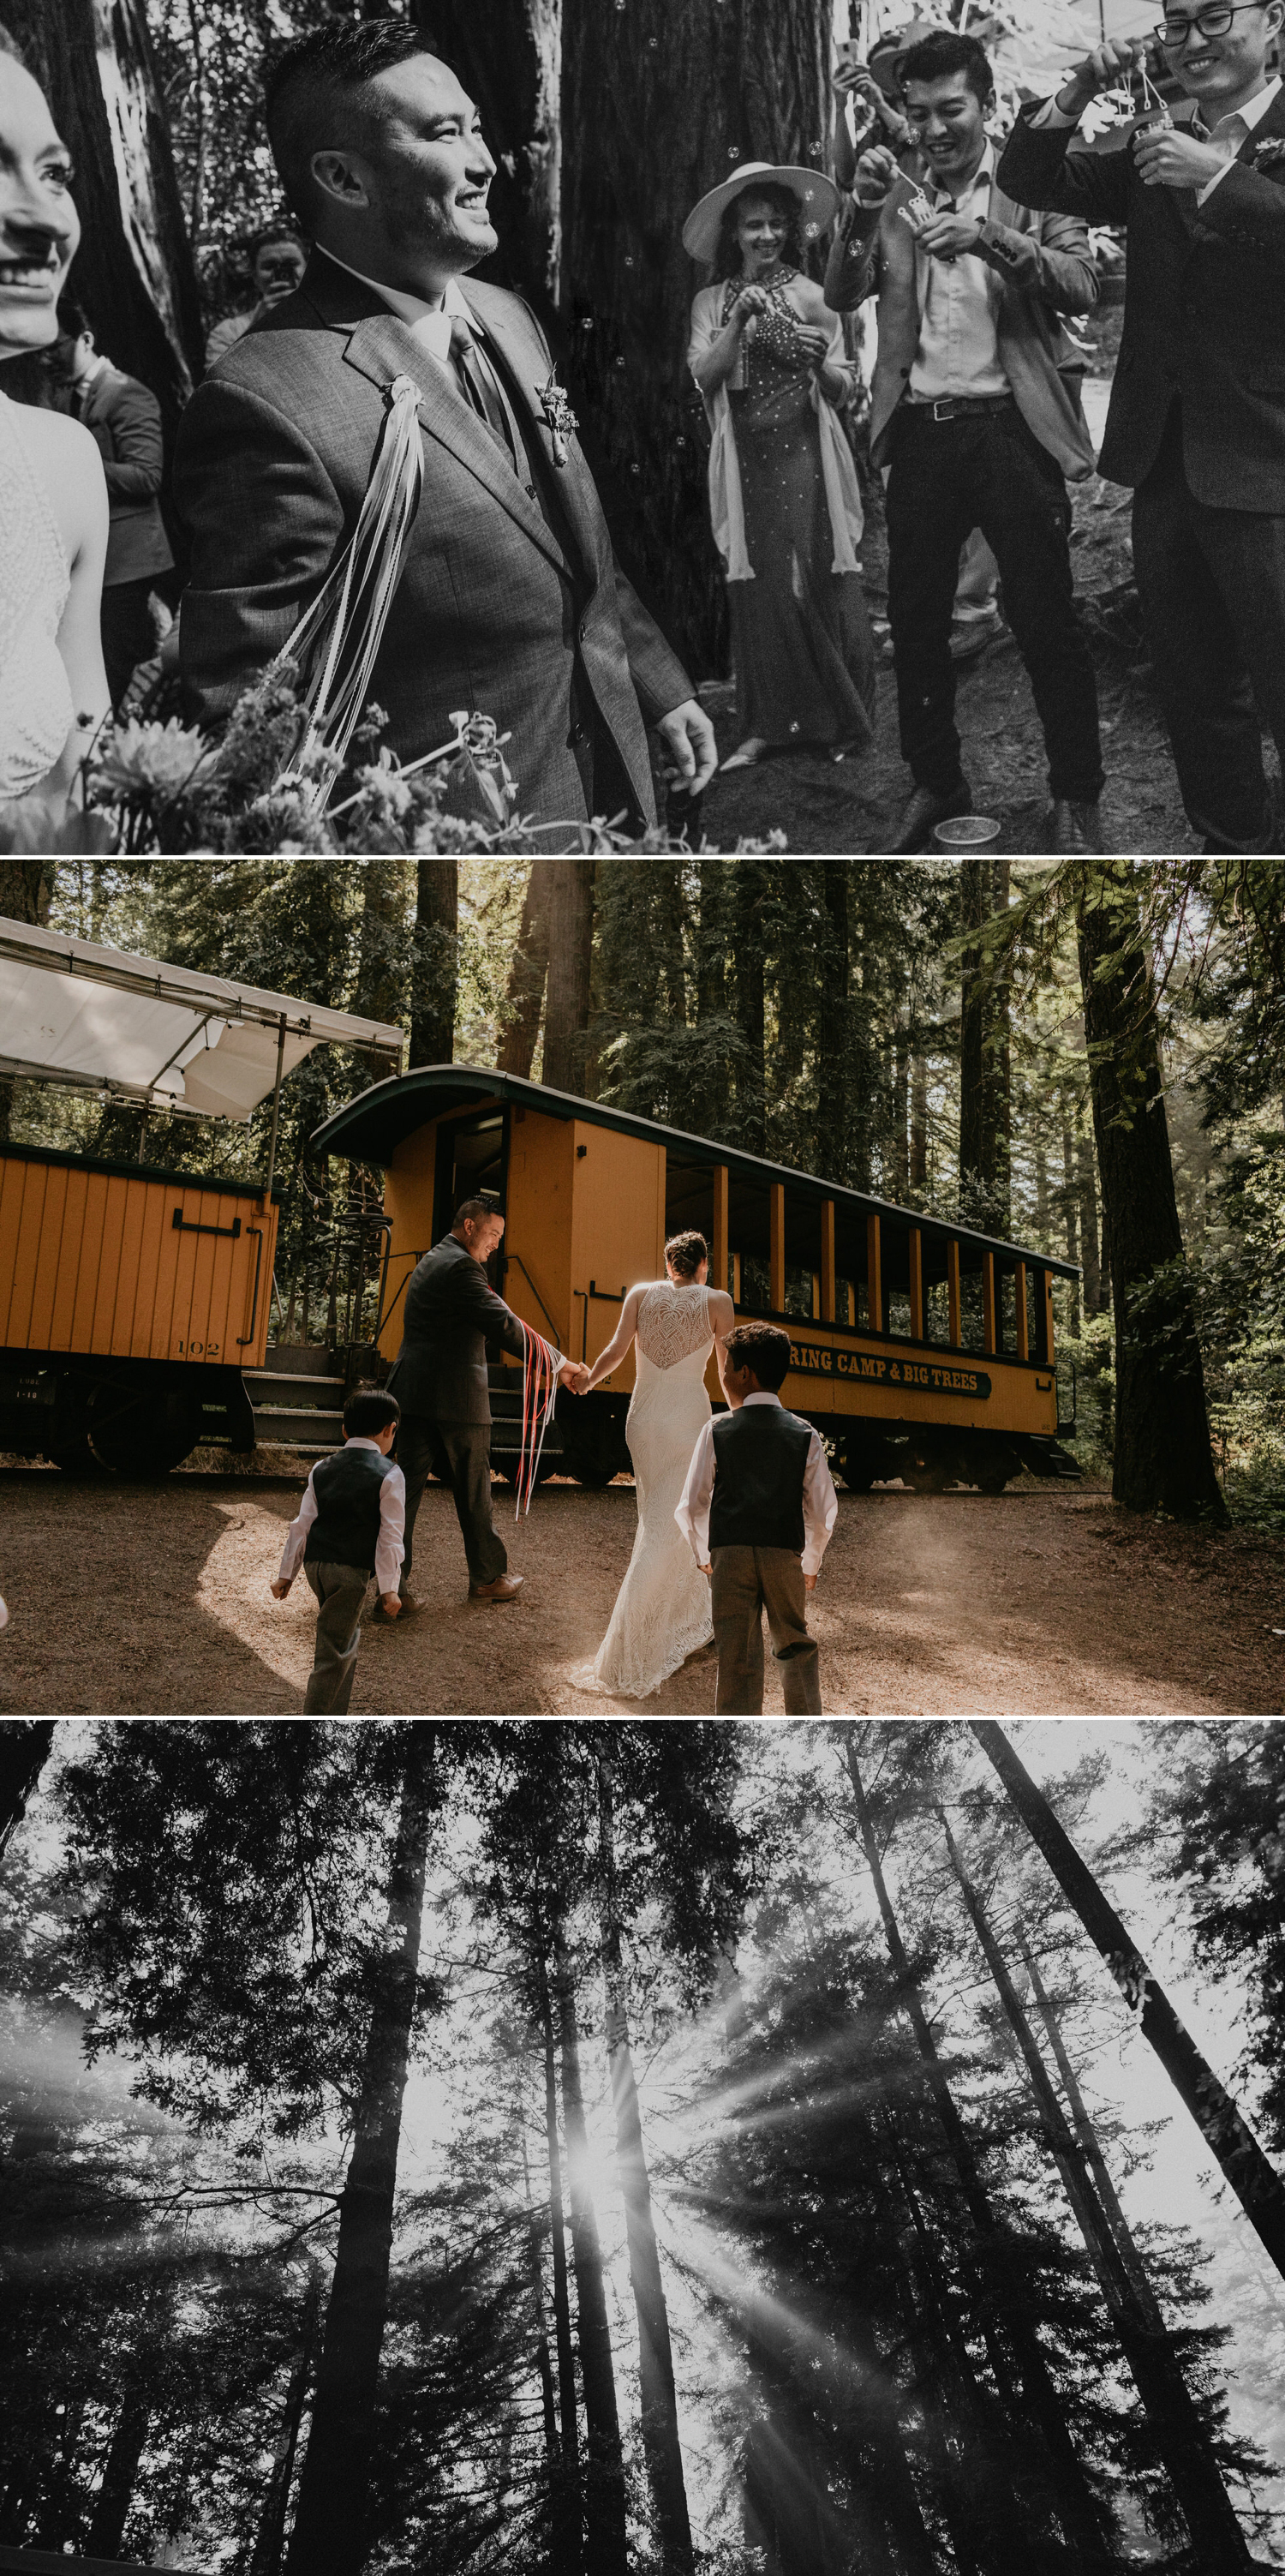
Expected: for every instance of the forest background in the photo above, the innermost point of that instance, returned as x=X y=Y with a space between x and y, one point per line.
x=916 y=1028
x=745 y=2144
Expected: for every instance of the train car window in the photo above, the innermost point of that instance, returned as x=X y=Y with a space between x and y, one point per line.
x=970 y=1300
x=802 y=1250
x=470 y=1165
x=689 y=1199
x=749 y=1230
x=936 y=1309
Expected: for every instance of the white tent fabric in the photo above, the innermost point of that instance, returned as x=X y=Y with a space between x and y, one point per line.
x=103 y=1019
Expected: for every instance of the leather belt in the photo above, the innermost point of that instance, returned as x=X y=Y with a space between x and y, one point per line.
x=963 y=406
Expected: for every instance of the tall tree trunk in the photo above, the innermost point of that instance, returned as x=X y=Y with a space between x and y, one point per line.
x=1088 y=2136
x=662 y=102
x=832 y=1066
x=380 y=992
x=899 y=1173
x=713 y=948
x=918 y=1123
x=567 y=2505
x=270 y=2537
x=605 y=2476
x=524 y=997
x=509 y=57
x=1179 y=2434
x=1070 y=1218
x=133 y=271
x=116 y=2493
x=566 y=1015
x=1076 y=2505
x=1257 y=2186
x=894 y=2483
x=25 y=1746
x=999 y=1071
x=564 y=2559
x=329 y=2536
x=662 y=2449
x=435 y=972
x=1163 y=1459
x=750 y=896
x=976 y=1152
x=1088 y=1194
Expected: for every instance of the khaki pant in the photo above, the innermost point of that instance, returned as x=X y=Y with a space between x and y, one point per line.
x=341 y=1596
x=745 y=1582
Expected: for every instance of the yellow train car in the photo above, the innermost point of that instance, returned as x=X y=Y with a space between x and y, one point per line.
x=919 y=1349
x=105 y=1266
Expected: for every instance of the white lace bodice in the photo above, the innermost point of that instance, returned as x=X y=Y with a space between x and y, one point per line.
x=662 y=1612
x=673 y=1324
x=36 y=711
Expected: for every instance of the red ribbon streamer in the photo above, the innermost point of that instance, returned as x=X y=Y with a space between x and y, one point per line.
x=539 y=1395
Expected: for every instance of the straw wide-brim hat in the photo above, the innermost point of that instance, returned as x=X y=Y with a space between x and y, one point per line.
x=817 y=195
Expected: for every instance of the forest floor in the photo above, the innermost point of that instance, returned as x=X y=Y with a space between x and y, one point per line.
x=1041 y=1602
x=846 y=810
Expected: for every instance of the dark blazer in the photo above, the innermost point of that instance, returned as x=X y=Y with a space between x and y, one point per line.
x=125 y=421
x=451 y=1316
x=494 y=608
x=1204 y=312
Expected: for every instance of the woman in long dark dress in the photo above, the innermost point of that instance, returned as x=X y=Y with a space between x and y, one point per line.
x=767 y=354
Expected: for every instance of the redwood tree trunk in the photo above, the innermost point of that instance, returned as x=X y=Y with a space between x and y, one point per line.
x=976 y=1161
x=662 y=101
x=1257 y=2186
x=115 y=2495
x=329 y=2535
x=1179 y=2434
x=133 y=271
x=1075 y=2503
x=25 y=1747
x=435 y=974
x=567 y=2502
x=832 y=1067
x=509 y=56
x=270 y=2537
x=524 y=999
x=566 y=1010
x=1163 y=1460
x=662 y=2449
x=605 y=2477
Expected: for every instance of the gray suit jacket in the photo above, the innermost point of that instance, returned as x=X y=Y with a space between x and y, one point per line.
x=496 y=608
x=125 y=421
x=452 y=1313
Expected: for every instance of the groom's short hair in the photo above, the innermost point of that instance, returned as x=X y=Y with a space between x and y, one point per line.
x=305 y=82
x=764 y=1348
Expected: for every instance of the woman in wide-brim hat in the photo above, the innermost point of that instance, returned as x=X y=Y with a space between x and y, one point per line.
x=768 y=356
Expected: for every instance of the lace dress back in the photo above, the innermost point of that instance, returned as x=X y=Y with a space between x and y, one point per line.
x=662 y=1612
x=36 y=710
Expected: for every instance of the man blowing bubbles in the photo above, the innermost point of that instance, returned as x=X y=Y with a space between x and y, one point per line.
x=1197 y=417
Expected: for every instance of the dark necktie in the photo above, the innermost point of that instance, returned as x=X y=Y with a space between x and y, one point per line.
x=477 y=383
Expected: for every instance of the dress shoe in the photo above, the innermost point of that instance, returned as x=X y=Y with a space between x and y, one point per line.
x=1074 y=829
x=970 y=636
x=924 y=812
x=506 y=1587
x=409 y=1606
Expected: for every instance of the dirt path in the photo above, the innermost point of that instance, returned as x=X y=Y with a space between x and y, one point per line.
x=153 y=1601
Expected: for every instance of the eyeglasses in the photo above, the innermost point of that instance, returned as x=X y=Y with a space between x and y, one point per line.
x=1173 y=33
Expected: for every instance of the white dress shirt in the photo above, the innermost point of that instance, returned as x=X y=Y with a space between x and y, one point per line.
x=820 y=1501
x=430 y=324
x=1227 y=136
x=959 y=300
x=389 y=1549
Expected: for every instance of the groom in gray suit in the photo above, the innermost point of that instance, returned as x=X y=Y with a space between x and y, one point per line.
x=510 y=600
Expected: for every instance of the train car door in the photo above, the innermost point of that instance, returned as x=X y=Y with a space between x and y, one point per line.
x=472 y=1163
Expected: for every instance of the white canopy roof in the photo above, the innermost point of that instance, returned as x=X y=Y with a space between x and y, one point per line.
x=101 y=1019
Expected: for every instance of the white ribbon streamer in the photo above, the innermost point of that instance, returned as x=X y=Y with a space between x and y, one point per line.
x=336 y=644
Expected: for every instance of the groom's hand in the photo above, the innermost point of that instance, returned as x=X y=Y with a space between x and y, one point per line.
x=706 y=1571
x=575 y=1375
x=691 y=753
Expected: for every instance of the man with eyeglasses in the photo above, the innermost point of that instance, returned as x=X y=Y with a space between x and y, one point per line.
x=1197 y=416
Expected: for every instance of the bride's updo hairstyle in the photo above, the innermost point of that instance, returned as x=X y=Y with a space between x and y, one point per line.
x=684 y=1254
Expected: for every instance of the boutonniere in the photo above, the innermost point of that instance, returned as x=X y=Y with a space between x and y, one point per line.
x=1272 y=150
x=557 y=415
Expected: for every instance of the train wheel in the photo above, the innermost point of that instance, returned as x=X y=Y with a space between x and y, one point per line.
x=992 y=1479
x=74 y=1455
x=857 y=1470
x=931 y=1477
x=137 y=1432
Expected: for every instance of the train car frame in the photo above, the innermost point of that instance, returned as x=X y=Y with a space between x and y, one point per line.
x=920 y=1349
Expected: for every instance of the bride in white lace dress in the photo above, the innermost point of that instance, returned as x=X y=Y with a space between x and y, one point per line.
x=53 y=496
x=662 y=1612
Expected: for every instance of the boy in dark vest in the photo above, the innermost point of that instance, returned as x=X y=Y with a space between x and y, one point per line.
x=349 y=1527
x=757 y=1510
